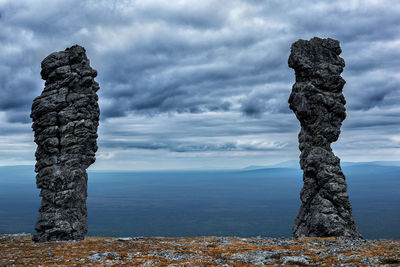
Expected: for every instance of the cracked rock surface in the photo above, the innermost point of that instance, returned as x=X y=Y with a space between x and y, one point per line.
x=318 y=104
x=65 y=120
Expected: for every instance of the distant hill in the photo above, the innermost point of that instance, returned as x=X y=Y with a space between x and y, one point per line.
x=254 y=167
x=371 y=163
x=296 y=164
x=284 y=164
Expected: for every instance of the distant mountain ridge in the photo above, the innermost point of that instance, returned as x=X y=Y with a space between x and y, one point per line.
x=296 y=164
x=292 y=164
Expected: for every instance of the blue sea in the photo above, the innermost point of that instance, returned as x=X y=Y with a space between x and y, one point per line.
x=261 y=202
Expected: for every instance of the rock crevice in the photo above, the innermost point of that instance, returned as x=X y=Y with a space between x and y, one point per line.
x=65 y=120
x=318 y=104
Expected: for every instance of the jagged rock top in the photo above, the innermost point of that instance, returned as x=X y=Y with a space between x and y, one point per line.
x=67 y=74
x=317 y=61
x=74 y=57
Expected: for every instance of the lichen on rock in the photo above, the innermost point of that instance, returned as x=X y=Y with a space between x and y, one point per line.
x=65 y=121
x=318 y=104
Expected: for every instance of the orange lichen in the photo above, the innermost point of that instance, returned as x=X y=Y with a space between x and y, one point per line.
x=187 y=251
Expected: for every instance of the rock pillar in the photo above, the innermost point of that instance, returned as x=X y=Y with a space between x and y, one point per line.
x=318 y=104
x=65 y=120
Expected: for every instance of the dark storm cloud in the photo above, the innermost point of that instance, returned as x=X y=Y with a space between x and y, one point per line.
x=10 y=129
x=378 y=95
x=350 y=26
x=15 y=95
x=186 y=77
x=253 y=107
x=367 y=57
x=388 y=124
x=270 y=100
x=18 y=117
x=196 y=57
x=374 y=90
x=155 y=57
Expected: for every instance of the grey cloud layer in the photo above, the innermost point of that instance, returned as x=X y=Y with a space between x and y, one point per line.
x=197 y=133
x=191 y=56
x=226 y=57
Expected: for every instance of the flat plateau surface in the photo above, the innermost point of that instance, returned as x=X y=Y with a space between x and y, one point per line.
x=19 y=250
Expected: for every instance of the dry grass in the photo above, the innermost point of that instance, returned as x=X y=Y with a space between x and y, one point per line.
x=191 y=251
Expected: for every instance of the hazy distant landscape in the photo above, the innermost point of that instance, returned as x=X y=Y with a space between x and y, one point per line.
x=248 y=202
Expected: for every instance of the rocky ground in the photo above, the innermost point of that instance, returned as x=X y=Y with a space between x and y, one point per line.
x=19 y=250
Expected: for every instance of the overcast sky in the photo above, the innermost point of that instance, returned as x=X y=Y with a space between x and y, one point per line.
x=202 y=84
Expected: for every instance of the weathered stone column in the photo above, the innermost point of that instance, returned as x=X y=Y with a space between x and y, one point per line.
x=318 y=103
x=65 y=120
